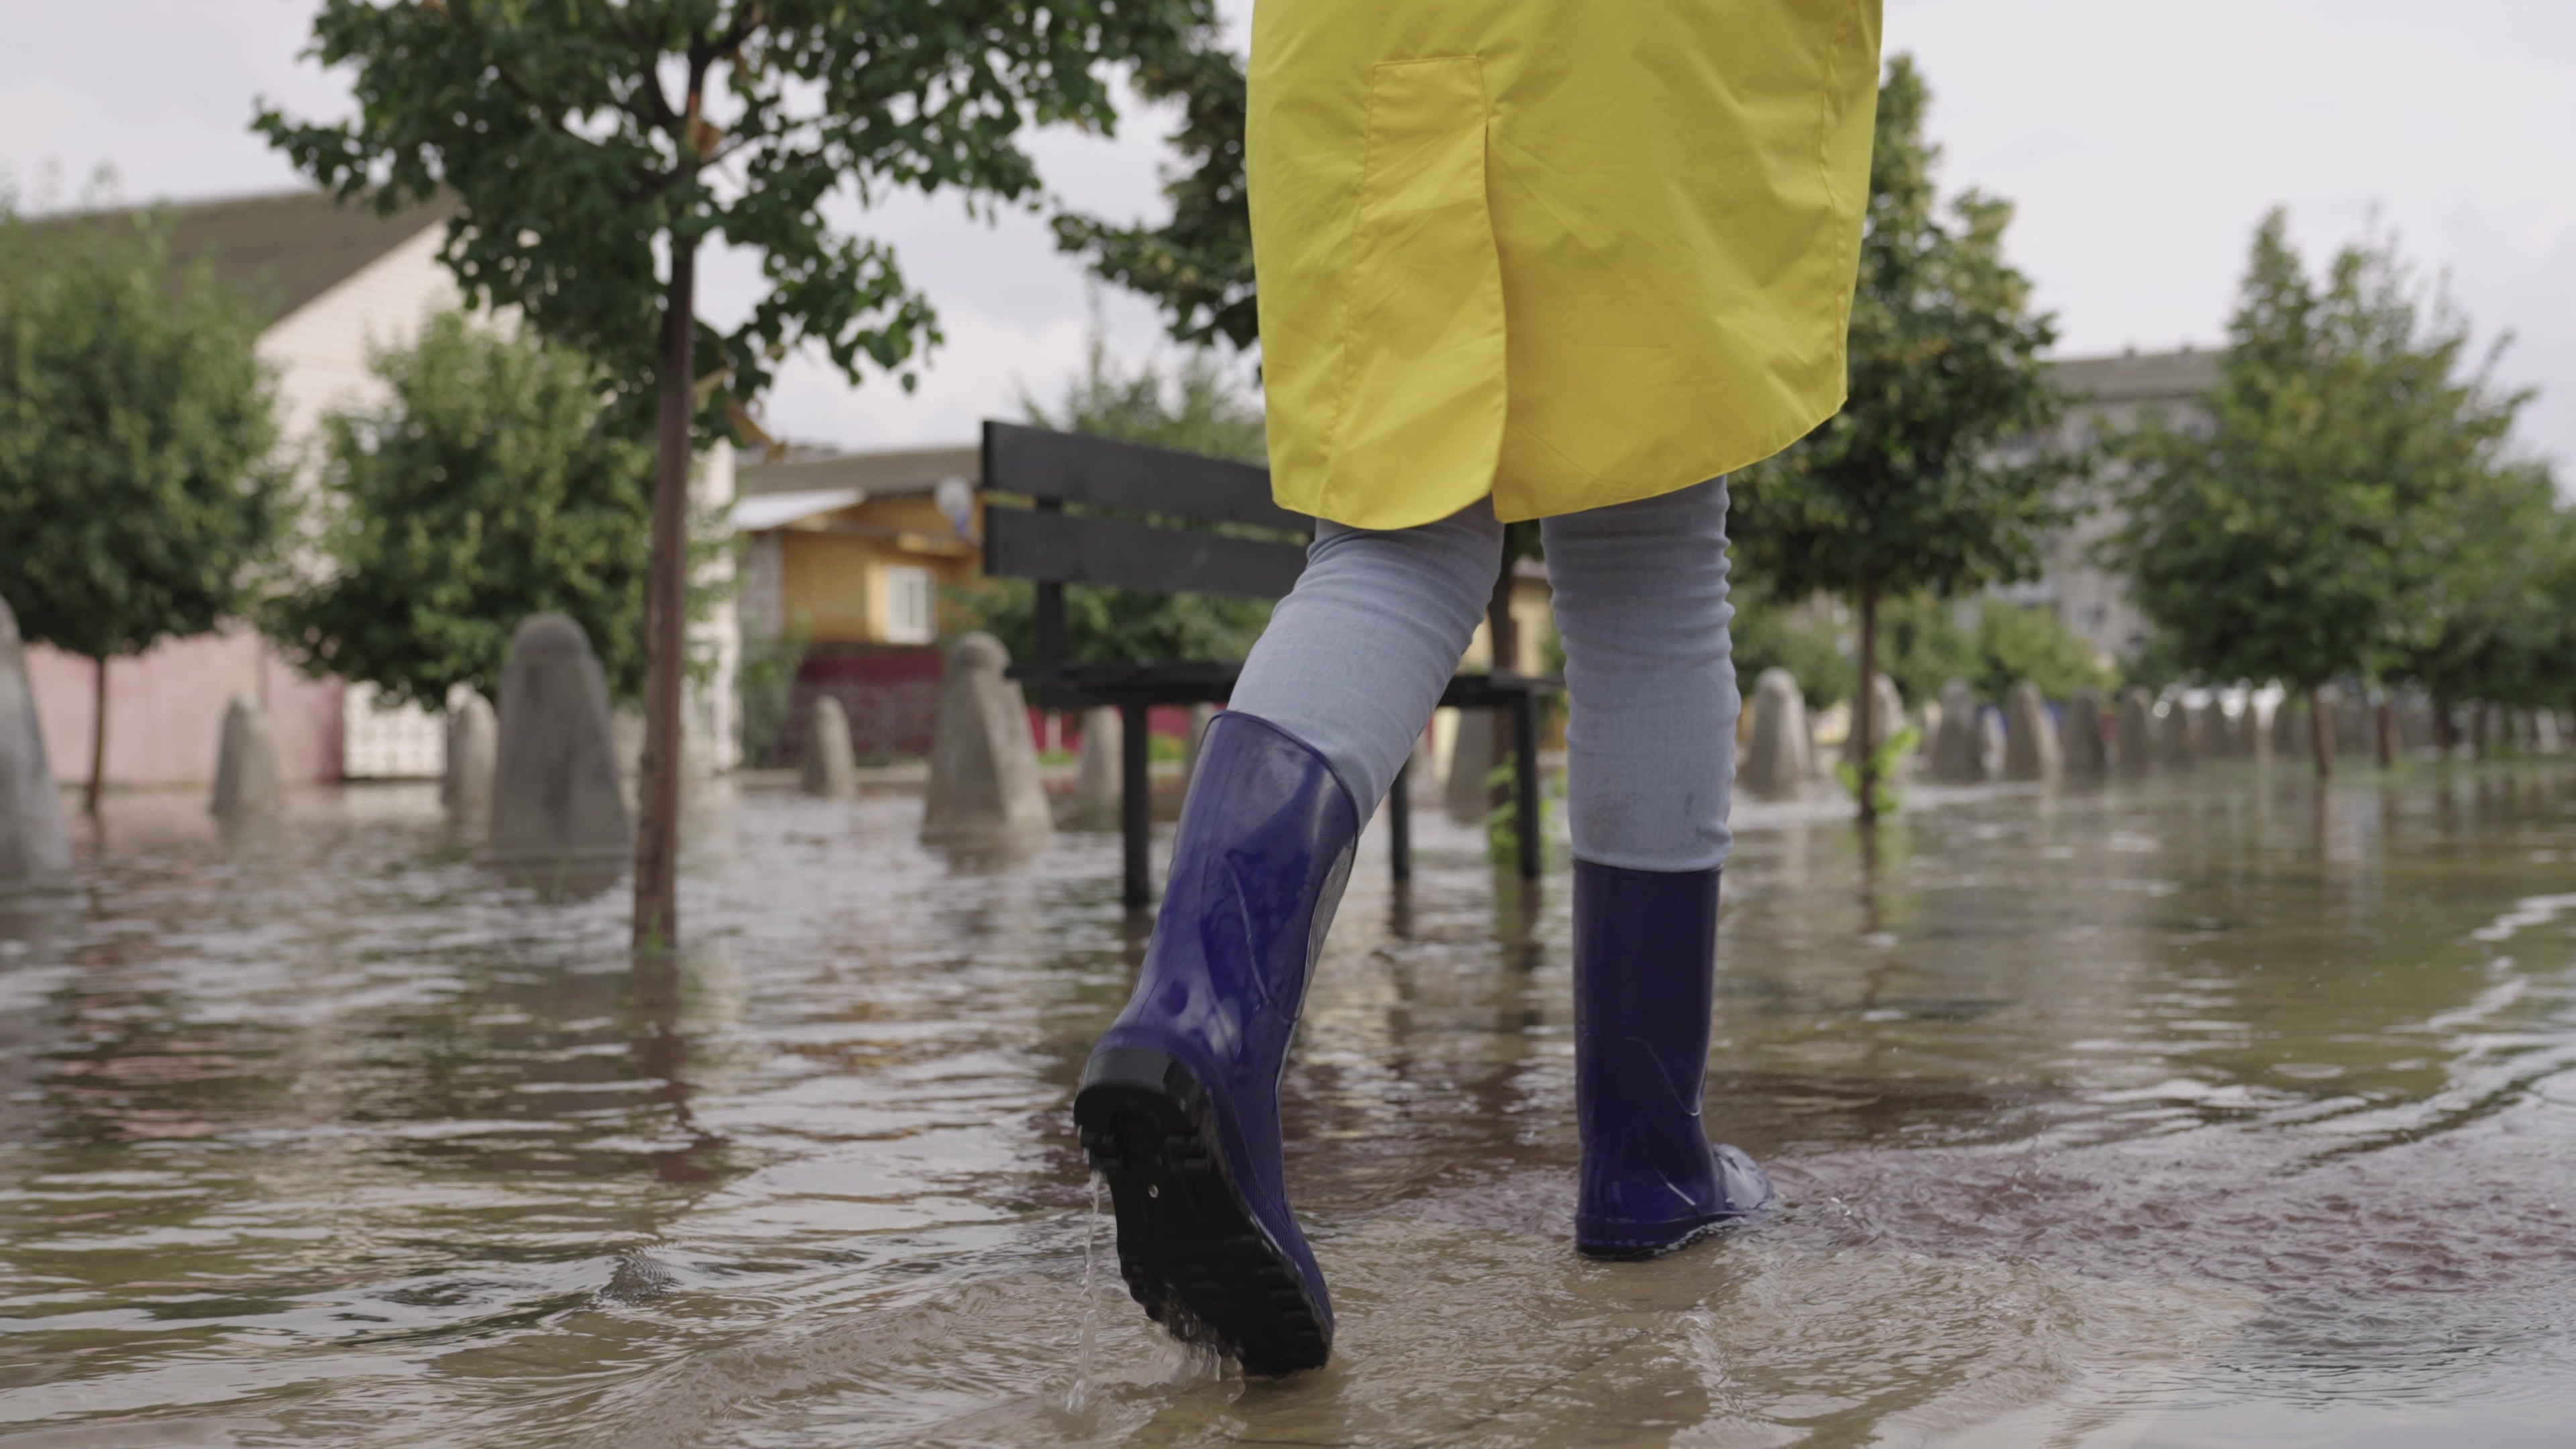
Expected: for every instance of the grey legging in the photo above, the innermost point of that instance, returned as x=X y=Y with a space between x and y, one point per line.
x=1356 y=657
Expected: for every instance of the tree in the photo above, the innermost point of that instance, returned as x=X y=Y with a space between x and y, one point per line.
x=593 y=150
x=490 y=486
x=2296 y=537
x=2015 y=643
x=1197 y=266
x=1930 y=479
x=1195 y=408
x=2491 y=619
x=138 y=495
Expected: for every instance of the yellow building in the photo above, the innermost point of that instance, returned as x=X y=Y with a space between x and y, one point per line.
x=854 y=550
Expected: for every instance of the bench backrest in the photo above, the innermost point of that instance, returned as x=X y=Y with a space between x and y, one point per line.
x=1160 y=554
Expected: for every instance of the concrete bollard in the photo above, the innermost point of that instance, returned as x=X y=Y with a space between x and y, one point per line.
x=1958 y=745
x=830 y=769
x=247 y=780
x=1098 y=783
x=1471 y=759
x=555 y=792
x=1887 y=723
x=984 y=793
x=35 y=850
x=1779 y=757
x=2032 y=750
x=2088 y=752
x=2290 y=737
x=2137 y=732
x=473 y=748
x=2177 y=741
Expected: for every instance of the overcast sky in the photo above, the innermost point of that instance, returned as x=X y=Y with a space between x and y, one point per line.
x=2141 y=144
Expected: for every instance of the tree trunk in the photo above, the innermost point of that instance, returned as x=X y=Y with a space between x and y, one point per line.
x=1865 y=712
x=97 y=741
x=2320 y=731
x=2442 y=740
x=2478 y=732
x=2387 y=732
x=657 y=832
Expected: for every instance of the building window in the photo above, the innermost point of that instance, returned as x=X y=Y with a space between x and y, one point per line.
x=912 y=605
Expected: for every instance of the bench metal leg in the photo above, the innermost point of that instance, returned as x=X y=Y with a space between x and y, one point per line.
x=1525 y=780
x=1136 y=804
x=1399 y=824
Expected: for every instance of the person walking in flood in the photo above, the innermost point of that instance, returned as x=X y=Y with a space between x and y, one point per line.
x=1571 y=260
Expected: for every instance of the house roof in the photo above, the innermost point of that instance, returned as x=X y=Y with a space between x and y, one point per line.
x=284 y=250
x=910 y=472
x=761 y=512
x=2138 y=376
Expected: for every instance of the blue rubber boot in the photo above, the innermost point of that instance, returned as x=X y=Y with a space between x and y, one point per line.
x=1645 y=974
x=1179 y=1105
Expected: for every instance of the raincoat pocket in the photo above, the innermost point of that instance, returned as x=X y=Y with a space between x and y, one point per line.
x=1423 y=392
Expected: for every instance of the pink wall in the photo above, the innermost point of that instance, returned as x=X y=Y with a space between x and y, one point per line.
x=165 y=710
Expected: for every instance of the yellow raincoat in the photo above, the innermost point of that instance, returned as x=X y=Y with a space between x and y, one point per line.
x=1565 y=252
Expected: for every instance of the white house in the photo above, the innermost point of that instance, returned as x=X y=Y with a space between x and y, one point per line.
x=334 y=284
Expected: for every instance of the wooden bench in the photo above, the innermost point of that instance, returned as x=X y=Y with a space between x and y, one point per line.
x=1120 y=515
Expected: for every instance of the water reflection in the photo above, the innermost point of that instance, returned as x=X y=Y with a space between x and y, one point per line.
x=2151 y=1111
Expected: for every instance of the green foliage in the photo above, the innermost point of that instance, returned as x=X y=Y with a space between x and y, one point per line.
x=2296 y=537
x=1195 y=408
x=1198 y=265
x=490 y=486
x=1503 y=821
x=1922 y=647
x=2496 y=618
x=579 y=139
x=138 y=495
x=766 y=680
x=1883 y=761
x=1916 y=485
x=1770 y=634
x=2015 y=643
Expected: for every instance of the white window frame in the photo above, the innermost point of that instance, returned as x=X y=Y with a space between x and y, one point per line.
x=912 y=605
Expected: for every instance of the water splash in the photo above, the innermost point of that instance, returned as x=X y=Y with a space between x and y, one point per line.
x=1077 y=1399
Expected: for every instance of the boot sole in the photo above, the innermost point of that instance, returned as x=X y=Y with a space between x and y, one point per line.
x=1192 y=1253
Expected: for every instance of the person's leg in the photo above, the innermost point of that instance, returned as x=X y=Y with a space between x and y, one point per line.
x=1355 y=659
x=1179 y=1104
x=1641 y=608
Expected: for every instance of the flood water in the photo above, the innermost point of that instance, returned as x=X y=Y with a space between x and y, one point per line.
x=2206 y=1112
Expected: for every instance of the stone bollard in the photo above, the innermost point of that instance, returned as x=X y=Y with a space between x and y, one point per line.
x=1886 y=723
x=2290 y=737
x=1098 y=781
x=1990 y=742
x=555 y=792
x=473 y=746
x=984 y=793
x=830 y=770
x=2177 y=741
x=2031 y=748
x=1471 y=759
x=35 y=851
x=2137 y=732
x=1779 y=758
x=1958 y=745
x=2088 y=754
x=2415 y=724
x=247 y=780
